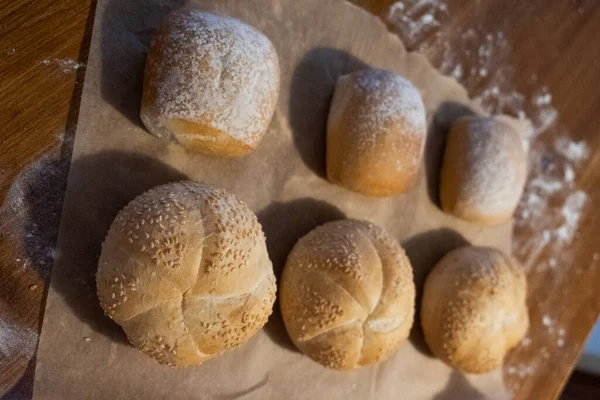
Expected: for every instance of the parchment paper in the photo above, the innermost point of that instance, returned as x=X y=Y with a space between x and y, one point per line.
x=115 y=159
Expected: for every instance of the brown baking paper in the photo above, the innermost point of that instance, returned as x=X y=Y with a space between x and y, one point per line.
x=115 y=159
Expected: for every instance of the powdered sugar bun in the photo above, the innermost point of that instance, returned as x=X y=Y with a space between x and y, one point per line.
x=211 y=83
x=484 y=170
x=375 y=133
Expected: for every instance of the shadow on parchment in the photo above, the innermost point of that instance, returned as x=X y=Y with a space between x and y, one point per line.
x=284 y=224
x=102 y=185
x=312 y=88
x=424 y=251
x=458 y=387
x=438 y=130
x=123 y=48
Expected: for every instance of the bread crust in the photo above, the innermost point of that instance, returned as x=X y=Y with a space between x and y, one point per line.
x=211 y=83
x=184 y=270
x=474 y=308
x=347 y=294
x=484 y=170
x=375 y=133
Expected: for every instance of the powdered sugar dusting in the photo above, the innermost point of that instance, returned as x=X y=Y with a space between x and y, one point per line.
x=494 y=173
x=389 y=97
x=380 y=102
x=239 y=74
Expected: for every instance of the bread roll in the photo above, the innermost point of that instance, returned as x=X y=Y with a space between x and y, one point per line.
x=211 y=83
x=184 y=270
x=347 y=294
x=375 y=133
x=473 y=308
x=483 y=171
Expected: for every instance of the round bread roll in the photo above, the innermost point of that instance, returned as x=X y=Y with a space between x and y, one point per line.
x=375 y=133
x=473 y=308
x=483 y=171
x=347 y=294
x=211 y=83
x=184 y=270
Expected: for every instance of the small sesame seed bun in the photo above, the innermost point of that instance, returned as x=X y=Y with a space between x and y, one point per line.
x=347 y=294
x=473 y=309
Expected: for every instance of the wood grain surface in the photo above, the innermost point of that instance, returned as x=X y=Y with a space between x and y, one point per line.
x=43 y=48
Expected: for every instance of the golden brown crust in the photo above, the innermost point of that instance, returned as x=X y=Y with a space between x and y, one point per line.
x=375 y=133
x=347 y=294
x=484 y=170
x=184 y=270
x=211 y=83
x=473 y=309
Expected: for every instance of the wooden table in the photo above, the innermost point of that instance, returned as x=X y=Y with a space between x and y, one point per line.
x=554 y=44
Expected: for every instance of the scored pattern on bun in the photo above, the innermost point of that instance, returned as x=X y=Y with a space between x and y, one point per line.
x=211 y=83
x=184 y=270
x=347 y=294
x=473 y=309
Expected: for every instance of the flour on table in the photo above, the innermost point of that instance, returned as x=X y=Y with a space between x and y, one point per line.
x=29 y=217
x=66 y=65
x=15 y=341
x=550 y=209
x=417 y=18
x=521 y=370
x=36 y=197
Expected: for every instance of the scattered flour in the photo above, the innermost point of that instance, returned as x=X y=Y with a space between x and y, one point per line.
x=575 y=152
x=66 y=65
x=550 y=208
x=29 y=217
x=15 y=341
x=36 y=196
x=388 y=95
x=546 y=320
x=521 y=370
x=417 y=18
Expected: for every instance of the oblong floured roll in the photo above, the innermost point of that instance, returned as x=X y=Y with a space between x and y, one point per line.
x=347 y=294
x=473 y=308
x=376 y=133
x=184 y=270
x=484 y=170
x=211 y=83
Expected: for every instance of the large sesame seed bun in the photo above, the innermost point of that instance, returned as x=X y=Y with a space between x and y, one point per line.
x=184 y=270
